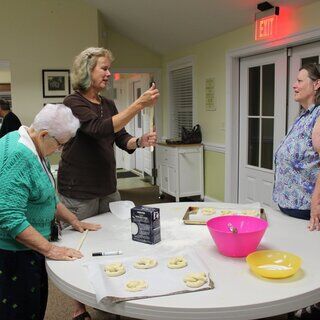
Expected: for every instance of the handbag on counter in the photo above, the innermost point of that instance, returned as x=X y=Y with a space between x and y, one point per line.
x=191 y=136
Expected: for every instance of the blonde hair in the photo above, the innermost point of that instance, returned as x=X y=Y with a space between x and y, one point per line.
x=83 y=65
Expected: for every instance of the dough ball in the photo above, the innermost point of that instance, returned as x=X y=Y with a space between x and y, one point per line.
x=114 y=269
x=177 y=263
x=195 y=280
x=136 y=285
x=145 y=263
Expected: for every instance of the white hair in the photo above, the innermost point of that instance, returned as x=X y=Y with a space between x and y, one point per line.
x=58 y=120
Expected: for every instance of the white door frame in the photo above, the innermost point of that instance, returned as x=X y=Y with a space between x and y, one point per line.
x=232 y=101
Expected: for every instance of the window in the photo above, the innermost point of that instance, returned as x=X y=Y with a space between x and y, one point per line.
x=261 y=115
x=180 y=96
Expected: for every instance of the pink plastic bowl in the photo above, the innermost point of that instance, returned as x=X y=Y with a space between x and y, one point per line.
x=242 y=243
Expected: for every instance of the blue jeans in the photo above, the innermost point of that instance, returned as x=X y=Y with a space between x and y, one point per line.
x=296 y=213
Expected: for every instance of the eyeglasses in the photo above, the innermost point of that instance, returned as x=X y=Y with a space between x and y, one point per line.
x=60 y=145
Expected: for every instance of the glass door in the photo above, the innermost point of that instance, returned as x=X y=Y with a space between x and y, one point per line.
x=262 y=123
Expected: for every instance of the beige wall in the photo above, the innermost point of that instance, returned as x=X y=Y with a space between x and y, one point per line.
x=5 y=76
x=129 y=54
x=210 y=61
x=214 y=179
x=102 y=31
x=48 y=34
x=42 y=34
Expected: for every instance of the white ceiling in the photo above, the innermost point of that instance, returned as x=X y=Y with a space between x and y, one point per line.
x=167 y=25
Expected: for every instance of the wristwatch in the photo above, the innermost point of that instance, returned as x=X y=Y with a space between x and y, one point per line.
x=138 y=143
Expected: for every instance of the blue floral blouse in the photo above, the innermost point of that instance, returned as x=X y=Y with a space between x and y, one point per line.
x=297 y=163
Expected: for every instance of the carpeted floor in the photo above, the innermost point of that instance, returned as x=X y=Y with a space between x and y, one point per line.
x=60 y=306
x=126 y=174
x=147 y=195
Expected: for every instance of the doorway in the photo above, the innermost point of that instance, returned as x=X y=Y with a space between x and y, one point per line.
x=264 y=117
x=292 y=44
x=262 y=123
x=126 y=88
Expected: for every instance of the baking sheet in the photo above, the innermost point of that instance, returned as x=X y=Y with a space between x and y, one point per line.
x=201 y=214
x=161 y=280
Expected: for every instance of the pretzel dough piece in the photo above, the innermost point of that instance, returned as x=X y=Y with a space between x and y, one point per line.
x=250 y=212
x=208 y=211
x=115 y=269
x=136 y=285
x=224 y=212
x=195 y=280
x=177 y=263
x=145 y=263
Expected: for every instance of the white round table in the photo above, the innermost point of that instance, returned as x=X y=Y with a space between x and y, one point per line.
x=238 y=293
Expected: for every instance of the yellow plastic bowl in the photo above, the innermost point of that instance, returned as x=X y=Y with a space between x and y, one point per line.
x=273 y=263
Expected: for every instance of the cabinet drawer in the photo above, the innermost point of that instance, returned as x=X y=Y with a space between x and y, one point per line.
x=167 y=156
x=189 y=150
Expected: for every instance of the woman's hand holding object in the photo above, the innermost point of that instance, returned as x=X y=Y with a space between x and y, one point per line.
x=148 y=139
x=149 y=97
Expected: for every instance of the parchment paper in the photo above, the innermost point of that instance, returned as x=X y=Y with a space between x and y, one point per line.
x=251 y=209
x=161 y=280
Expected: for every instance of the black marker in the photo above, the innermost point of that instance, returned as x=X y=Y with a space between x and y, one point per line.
x=107 y=253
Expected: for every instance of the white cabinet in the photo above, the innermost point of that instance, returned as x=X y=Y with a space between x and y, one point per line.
x=180 y=169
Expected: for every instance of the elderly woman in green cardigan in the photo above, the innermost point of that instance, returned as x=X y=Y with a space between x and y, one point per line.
x=28 y=206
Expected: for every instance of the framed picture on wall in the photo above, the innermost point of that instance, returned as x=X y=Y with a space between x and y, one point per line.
x=55 y=83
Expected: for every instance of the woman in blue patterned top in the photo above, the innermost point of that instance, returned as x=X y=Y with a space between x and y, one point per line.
x=297 y=161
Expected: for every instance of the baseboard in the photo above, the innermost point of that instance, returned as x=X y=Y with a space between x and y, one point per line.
x=209 y=199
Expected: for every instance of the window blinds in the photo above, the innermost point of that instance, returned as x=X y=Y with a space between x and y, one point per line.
x=181 y=100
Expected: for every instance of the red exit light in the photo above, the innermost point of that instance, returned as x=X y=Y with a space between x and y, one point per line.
x=266 y=28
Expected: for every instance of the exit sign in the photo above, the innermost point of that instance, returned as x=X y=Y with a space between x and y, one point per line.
x=266 y=23
x=266 y=28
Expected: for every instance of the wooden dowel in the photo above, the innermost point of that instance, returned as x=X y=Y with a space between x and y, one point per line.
x=151 y=124
x=82 y=239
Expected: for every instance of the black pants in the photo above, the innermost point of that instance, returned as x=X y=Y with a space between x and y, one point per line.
x=23 y=285
x=296 y=213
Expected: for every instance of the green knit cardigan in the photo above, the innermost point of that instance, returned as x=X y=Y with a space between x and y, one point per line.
x=27 y=196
